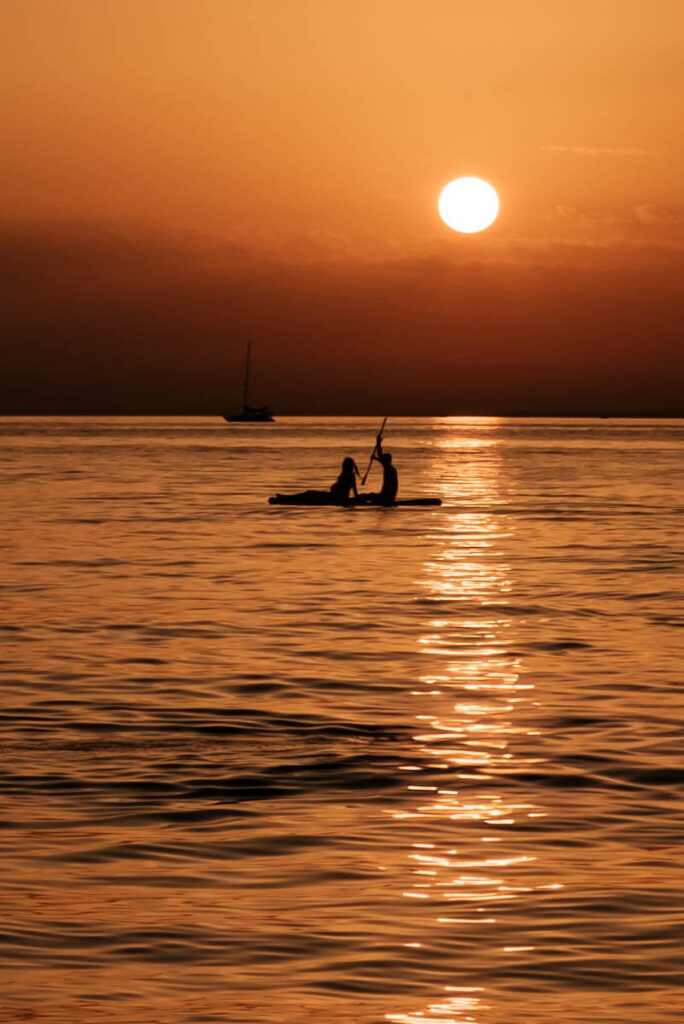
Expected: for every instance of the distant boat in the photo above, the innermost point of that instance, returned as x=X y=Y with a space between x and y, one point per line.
x=250 y=413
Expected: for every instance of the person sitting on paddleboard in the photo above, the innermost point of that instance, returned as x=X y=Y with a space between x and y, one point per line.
x=345 y=482
x=390 y=480
x=339 y=491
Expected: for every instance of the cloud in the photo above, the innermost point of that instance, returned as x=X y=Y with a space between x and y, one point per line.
x=622 y=227
x=94 y=320
x=626 y=151
x=648 y=213
x=588 y=215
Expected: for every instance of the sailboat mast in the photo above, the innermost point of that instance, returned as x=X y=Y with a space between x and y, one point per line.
x=246 y=393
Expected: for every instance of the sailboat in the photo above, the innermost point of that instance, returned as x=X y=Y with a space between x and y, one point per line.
x=250 y=413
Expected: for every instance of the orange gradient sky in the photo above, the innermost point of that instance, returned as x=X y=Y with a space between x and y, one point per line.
x=178 y=176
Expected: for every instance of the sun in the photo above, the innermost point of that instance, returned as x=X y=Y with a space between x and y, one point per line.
x=468 y=205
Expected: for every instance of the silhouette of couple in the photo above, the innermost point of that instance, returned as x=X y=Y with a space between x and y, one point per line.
x=345 y=485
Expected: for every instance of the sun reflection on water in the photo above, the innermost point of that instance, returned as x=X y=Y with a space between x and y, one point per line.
x=470 y=711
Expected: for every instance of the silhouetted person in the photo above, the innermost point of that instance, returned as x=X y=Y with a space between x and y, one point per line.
x=390 y=480
x=346 y=481
x=339 y=491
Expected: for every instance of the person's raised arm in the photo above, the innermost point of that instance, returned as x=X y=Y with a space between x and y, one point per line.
x=377 y=454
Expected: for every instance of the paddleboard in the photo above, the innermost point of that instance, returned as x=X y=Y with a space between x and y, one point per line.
x=296 y=499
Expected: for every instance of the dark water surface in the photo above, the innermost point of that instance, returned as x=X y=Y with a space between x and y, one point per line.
x=304 y=765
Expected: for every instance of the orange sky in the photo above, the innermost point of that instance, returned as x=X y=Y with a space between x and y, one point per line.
x=178 y=175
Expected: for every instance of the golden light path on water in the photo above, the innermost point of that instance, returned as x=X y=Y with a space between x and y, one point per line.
x=470 y=709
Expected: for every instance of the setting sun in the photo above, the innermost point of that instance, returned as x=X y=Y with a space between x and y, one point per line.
x=468 y=205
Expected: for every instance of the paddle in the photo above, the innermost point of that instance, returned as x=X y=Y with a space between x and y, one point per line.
x=379 y=437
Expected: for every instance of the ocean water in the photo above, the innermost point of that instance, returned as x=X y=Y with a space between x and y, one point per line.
x=299 y=765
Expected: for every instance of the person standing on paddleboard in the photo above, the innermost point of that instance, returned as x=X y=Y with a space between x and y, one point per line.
x=390 y=480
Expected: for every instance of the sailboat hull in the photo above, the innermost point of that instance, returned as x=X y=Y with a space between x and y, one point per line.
x=239 y=418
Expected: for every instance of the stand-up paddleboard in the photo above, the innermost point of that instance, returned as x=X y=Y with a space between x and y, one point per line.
x=323 y=500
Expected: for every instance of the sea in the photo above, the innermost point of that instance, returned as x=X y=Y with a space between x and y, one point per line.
x=267 y=764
